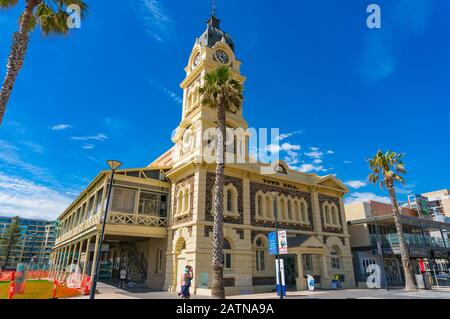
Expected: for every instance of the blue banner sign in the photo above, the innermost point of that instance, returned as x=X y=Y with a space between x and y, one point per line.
x=273 y=245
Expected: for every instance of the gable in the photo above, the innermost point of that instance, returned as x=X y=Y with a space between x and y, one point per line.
x=332 y=182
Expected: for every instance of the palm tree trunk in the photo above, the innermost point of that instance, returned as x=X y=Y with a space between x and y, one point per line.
x=218 y=289
x=8 y=253
x=16 y=56
x=409 y=280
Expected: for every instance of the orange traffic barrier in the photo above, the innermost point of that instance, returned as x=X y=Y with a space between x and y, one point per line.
x=11 y=287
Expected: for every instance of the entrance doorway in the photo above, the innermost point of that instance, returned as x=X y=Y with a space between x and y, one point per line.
x=393 y=271
x=290 y=271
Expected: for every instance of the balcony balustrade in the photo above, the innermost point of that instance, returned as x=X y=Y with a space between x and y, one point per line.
x=115 y=218
x=411 y=240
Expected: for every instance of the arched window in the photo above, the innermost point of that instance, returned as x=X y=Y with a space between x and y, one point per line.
x=269 y=206
x=327 y=212
x=179 y=202
x=259 y=205
x=186 y=196
x=298 y=210
x=335 y=214
x=304 y=211
x=227 y=262
x=289 y=209
x=282 y=208
x=230 y=200
x=335 y=258
x=260 y=245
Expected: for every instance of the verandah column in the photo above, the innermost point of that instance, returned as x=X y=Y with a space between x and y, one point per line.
x=301 y=281
x=61 y=262
x=325 y=281
x=94 y=266
x=87 y=256
x=79 y=254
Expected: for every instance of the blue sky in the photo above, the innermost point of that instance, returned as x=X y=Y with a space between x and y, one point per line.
x=111 y=90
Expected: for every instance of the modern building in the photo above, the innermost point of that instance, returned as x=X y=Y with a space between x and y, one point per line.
x=37 y=240
x=162 y=215
x=439 y=203
x=370 y=223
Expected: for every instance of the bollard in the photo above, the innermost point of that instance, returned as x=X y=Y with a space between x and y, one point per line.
x=11 y=287
x=55 y=283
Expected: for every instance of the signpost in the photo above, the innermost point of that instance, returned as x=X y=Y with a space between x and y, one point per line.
x=278 y=246
x=281 y=289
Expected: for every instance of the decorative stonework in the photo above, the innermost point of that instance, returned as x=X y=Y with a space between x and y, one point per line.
x=256 y=187
x=188 y=181
x=335 y=200
x=240 y=232
x=238 y=184
x=207 y=230
x=256 y=233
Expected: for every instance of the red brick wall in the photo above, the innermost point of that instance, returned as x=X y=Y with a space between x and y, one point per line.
x=381 y=209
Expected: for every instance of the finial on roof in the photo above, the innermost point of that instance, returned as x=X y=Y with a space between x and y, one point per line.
x=213 y=8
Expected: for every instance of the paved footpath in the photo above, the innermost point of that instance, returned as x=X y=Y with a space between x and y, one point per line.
x=110 y=291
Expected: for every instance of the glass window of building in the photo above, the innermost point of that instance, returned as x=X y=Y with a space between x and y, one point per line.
x=123 y=200
x=226 y=254
x=335 y=259
x=148 y=203
x=260 y=255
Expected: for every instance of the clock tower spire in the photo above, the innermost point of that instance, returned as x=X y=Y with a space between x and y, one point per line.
x=212 y=49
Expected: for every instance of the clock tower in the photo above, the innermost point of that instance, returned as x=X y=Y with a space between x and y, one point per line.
x=212 y=49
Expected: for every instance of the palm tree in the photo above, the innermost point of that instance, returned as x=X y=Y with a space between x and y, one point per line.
x=222 y=93
x=52 y=18
x=387 y=169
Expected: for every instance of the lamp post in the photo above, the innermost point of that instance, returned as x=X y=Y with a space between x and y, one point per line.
x=275 y=213
x=114 y=165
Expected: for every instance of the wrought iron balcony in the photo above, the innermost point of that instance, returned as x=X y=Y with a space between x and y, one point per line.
x=114 y=218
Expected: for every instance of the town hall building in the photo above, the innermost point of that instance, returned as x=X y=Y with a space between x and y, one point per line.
x=161 y=216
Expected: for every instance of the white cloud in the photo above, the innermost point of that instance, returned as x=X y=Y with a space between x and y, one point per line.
x=356 y=184
x=314 y=154
x=25 y=198
x=365 y=197
x=156 y=19
x=99 y=137
x=308 y=168
x=88 y=146
x=287 y=135
x=12 y=157
x=173 y=96
x=347 y=162
x=330 y=152
x=61 y=127
x=318 y=161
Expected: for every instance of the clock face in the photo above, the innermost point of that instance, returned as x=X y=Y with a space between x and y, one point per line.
x=222 y=57
x=196 y=60
x=187 y=140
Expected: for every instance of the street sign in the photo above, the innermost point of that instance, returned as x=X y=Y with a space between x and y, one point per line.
x=282 y=242
x=273 y=244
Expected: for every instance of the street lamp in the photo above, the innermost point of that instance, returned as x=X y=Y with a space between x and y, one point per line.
x=275 y=213
x=114 y=165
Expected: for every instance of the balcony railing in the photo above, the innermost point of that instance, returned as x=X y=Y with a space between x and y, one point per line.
x=115 y=218
x=412 y=240
x=134 y=219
